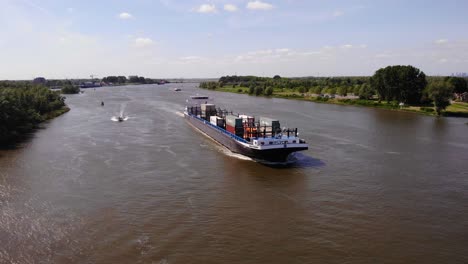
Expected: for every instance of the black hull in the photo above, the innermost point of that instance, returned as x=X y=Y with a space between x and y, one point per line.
x=268 y=155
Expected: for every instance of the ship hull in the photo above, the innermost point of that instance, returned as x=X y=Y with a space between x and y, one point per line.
x=226 y=139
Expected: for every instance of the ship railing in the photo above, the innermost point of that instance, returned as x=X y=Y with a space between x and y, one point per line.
x=222 y=130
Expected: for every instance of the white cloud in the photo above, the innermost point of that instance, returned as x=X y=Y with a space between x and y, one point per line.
x=441 y=41
x=272 y=55
x=384 y=56
x=259 y=5
x=338 y=13
x=347 y=46
x=207 y=8
x=230 y=8
x=283 y=50
x=143 y=42
x=125 y=15
x=190 y=58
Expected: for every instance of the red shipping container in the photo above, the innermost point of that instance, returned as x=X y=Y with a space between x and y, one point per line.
x=230 y=129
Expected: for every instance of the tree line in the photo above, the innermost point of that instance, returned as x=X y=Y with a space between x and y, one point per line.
x=400 y=84
x=23 y=106
x=314 y=85
x=131 y=79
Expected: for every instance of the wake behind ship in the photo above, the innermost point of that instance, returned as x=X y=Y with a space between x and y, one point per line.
x=262 y=139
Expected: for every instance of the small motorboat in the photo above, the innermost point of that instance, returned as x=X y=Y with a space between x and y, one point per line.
x=177 y=89
x=102 y=103
x=120 y=118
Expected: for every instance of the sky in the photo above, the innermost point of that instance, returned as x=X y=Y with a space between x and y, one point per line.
x=60 y=39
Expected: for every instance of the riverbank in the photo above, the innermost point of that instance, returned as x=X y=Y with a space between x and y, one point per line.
x=13 y=138
x=23 y=107
x=55 y=113
x=456 y=109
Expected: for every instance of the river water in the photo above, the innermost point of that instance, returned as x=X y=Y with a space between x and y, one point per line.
x=375 y=186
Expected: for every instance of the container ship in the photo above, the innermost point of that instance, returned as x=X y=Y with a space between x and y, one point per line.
x=261 y=139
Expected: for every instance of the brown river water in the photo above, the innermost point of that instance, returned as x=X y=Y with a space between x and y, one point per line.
x=375 y=186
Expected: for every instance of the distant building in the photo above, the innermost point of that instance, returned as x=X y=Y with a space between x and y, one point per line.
x=464 y=97
x=460 y=74
x=40 y=80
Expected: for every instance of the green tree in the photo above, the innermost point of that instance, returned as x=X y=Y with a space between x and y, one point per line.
x=400 y=83
x=258 y=90
x=301 y=89
x=366 y=92
x=317 y=90
x=342 y=91
x=269 y=91
x=459 y=84
x=70 y=89
x=251 y=90
x=23 y=106
x=356 y=89
x=121 y=79
x=440 y=92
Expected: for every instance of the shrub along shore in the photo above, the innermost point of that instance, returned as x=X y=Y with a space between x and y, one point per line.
x=24 y=106
x=400 y=88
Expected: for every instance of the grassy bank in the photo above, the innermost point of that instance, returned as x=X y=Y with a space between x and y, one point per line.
x=456 y=109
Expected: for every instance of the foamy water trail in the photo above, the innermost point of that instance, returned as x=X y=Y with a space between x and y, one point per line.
x=122 y=109
x=222 y=148
x=116 y=119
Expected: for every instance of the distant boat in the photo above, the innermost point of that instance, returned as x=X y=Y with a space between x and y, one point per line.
x=90 y=84
x=177 y=89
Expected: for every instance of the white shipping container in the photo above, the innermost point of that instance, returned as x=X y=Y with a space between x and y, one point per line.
x=217 y=121
x=214 y=120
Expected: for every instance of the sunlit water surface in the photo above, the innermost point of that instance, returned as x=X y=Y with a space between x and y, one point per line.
x=375 y=186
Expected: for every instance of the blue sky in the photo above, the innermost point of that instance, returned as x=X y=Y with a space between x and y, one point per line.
x=168 y=38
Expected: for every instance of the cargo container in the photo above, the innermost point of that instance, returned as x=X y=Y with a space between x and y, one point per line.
x=230 y=128
x=271 y=125
x=233 y=121
x=208 y=110
x=247 y=121
x=207 y=107
x=239 y=131
x=217 y=121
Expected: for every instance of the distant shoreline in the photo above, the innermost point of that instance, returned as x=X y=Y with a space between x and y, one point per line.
x=457 y=109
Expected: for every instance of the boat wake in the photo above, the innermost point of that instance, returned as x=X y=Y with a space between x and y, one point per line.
x=116 y=118
x=121 y=116
x=179 y=114
x=222 y=148
x=229 y=153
